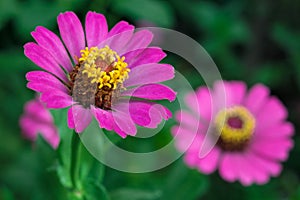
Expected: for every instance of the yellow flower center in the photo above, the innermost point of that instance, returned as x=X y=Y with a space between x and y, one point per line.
x=104 y=66
x=236 y=126
x=98 y=77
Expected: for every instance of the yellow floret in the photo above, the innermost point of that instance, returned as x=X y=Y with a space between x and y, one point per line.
x=229 y=134
x=110 y=79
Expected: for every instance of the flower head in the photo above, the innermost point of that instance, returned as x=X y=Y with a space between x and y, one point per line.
x=97 y=72
x=38 y=120
x=250 y=131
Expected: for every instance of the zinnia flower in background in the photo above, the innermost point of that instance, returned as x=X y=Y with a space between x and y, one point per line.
x=103 y=69
x=251 y=130
x=38 y=120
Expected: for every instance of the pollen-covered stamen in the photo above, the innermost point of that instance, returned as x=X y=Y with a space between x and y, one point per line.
x=104 y=66
x=101 y=72
x=236 y=126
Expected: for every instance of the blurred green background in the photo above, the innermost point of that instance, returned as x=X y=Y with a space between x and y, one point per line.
x=253 y=41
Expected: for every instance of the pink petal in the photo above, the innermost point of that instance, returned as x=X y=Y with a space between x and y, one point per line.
x=50 y=134
x=258 y=174
x=131 y=56
x=139 y=40
x=220 y=96
x=71 y=123
x=122 y=118
x=79 y=118
x=149 y=73
x=119 y=131
x=273 y=149
x=247 y=168
x=256 y=98
x=190 y=159
x=228 y=93
x=192 y=153
x=28 y=127
x=282 y=130
x=124 y=122
x=37 y=108
x=144 y=56
x=119 y=28
x=229 y=166
x=56 y=99
x=95 y=28
x=187 y=130
x=50 y=41
x=40 y=80
x=118 y=36
x=152 y=92
x=148 y=114
x=104 y=118
x=31 y=128
x=38 y=120
x=199 y=103
x=187 y=119
x=44 y=59
x=205 y=103
x=274 y=142
x=192 y=103
x=249 y=173
x=271 y=113
x=183 y=137
x=237 y=92
x=270 y=167
x=71 y=31
x=40 y=87
x=209 y=163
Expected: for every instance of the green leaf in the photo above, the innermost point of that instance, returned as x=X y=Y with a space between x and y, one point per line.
x=296 y=196
x=290 y=42
x=134 y=194
x=70 y=4
x=6 y=194
x=14 y=60
x=42 y=144
x=75 y=195
x=192 y=184
x=95 y=191
x=157 y=12
x=266 y=192
x=7 y=10
x=34 y=13
x=221 y=25
x=269 y=74
x=286 y=38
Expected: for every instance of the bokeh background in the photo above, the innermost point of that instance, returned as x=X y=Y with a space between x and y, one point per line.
x=253 y=41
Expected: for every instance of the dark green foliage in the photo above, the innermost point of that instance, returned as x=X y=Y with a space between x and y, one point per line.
x=253 y=41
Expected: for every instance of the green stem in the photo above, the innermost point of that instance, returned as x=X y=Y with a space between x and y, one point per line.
x=75 y=160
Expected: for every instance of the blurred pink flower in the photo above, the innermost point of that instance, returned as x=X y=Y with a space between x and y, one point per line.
x=35 y=120
x=251 y=130
x=106 y=63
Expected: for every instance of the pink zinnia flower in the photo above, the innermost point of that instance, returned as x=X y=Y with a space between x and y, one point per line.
x=38 y=120
x=103 y=70
x=250 y=129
